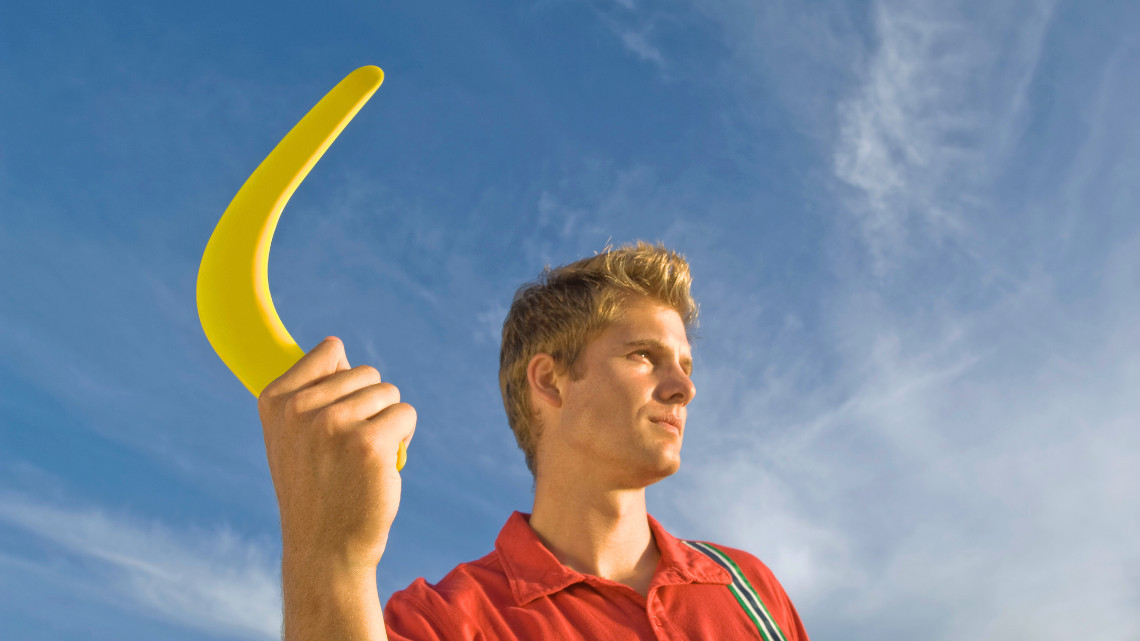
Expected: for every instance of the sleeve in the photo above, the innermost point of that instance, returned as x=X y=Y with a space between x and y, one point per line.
x=406 y=619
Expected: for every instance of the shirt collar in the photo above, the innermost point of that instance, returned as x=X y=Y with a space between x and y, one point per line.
x=533 y=571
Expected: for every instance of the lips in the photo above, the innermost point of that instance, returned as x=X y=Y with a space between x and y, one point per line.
x=668 y=419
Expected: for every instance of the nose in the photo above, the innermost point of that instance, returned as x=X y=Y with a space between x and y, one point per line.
x=677 y=387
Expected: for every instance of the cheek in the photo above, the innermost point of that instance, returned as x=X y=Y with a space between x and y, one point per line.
x=608 y=394
x=625 y=395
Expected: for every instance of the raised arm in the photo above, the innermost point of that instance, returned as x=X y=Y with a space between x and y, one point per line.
x=331 y=436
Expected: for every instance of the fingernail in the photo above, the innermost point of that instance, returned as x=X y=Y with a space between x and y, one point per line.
x=330 y=338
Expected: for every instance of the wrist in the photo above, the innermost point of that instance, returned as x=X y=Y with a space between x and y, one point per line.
x=329 y=599
x=341 y=560
x=308 y=572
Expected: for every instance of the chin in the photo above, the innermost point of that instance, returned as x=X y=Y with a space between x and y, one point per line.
x=665 y=469
x=647 y=475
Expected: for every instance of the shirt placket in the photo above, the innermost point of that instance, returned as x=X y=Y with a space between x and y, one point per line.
x=663 y=629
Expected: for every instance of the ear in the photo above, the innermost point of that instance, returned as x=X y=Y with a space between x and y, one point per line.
x=542 y=375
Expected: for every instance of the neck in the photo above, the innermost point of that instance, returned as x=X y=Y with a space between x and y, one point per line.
x=600 y=532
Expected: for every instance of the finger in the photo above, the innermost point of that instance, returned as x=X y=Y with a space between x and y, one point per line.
x=395 y=424
x=371 y=401
x=326 y=358
x=341 y=364
x=335 y=388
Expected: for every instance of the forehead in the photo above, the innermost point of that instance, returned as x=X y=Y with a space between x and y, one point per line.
x=647 y=321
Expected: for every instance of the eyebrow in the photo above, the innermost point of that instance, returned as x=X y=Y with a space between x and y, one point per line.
x=686 y=363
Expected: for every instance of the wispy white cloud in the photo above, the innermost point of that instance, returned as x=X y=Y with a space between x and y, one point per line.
x=208 y=580
x=638 y=43
x=489 y=324
x=579 y=216
x=633 y=28
x=926 y=126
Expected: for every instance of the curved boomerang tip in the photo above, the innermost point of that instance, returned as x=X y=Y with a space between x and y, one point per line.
x=234 y=302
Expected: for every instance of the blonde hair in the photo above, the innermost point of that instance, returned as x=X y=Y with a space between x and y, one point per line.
x=557 y=313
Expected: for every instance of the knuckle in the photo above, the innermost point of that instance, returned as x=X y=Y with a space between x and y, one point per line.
x=305 y=400
x=362 y=444
x=292 y=405
x=332 y=417
x=263 y=407
x=405 y=411
x=389 y=391
x=270 y=398
x=338 y=347
x=367 y=371
x=297 y=402
x=395 y=414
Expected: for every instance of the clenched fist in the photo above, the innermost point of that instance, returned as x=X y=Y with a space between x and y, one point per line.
x=331 y=436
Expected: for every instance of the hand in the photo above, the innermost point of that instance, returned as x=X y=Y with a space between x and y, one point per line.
x=331 y=436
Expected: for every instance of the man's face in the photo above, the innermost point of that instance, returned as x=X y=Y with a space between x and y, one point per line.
x=625 y=418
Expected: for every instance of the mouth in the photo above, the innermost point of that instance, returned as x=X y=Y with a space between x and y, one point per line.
x=670 y=422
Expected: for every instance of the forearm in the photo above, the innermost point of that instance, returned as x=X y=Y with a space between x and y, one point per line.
x=322 y=602
x=332 y=437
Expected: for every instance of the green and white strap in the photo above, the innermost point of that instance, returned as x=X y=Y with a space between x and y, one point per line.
x=745 y=594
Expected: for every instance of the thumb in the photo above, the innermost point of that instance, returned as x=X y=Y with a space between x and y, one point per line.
x=337 y=347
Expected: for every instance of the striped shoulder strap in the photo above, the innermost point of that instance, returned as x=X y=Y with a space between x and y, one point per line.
x=745 y=594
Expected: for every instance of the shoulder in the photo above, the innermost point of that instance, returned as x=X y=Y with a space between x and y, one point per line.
x=450 y=607
x=762 y=580
x=752 y=567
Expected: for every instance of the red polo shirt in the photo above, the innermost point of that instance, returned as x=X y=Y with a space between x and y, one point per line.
x=521 y=591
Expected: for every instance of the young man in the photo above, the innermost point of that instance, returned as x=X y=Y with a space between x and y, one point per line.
x=595 y=373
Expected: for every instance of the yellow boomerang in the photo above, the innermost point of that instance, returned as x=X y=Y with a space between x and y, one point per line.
x=234 y=303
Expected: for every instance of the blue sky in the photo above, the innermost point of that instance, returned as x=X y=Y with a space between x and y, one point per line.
x=912 y=226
